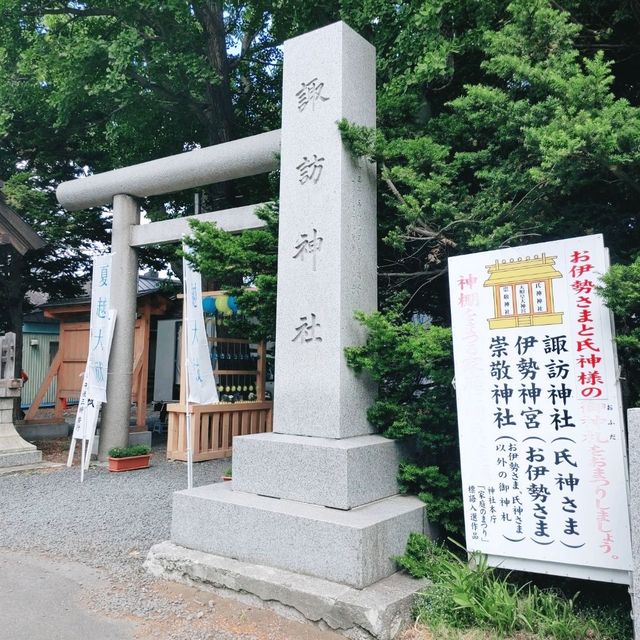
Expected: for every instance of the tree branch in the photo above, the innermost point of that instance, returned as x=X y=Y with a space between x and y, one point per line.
x=70 y=11
x=624 y=176
x=409 y=275
x=384 y=174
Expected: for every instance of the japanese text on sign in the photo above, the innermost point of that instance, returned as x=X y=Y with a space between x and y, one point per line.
x=539 y=420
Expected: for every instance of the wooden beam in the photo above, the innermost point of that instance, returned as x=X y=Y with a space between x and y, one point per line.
x=44 y=387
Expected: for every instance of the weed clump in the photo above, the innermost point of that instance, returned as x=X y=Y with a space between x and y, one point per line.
x=467 y=593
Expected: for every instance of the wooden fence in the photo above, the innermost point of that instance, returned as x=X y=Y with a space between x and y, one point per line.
x=214 y=427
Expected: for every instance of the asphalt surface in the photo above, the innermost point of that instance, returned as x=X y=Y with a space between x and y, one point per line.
x=40 y=598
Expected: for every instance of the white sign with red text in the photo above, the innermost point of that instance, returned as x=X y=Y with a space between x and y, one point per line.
x=541 y=434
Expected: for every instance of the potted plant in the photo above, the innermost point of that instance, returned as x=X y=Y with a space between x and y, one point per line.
x=128 y=458
x=226 y=475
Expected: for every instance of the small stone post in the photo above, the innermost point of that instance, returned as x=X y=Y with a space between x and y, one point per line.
x=114 y=426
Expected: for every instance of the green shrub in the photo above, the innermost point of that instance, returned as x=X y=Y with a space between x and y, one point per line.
x=621 y=293
x=413 y=366
x=127 y=452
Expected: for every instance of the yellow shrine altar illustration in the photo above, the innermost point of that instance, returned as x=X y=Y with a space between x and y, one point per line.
x=523 y=292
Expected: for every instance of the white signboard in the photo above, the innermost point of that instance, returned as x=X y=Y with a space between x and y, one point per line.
x=99 y=343
x=541 y=434
x=201 y=383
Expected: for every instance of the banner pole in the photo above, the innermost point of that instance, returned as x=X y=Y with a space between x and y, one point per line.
x=185 y=381
x=82 y=456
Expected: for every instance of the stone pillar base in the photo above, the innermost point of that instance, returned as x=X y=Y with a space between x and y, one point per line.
x=21 y=458
x=14 y=451
x=354 y=547
x=380 y=611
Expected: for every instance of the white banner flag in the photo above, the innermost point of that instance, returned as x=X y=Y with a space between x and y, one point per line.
x=202 y=385
x=99 y=335
x=89 y=407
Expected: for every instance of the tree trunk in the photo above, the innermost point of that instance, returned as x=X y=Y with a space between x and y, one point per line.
x=15 y=299
x=219 y=112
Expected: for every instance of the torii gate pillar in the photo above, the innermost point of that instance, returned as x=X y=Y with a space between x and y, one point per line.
x=114 y=429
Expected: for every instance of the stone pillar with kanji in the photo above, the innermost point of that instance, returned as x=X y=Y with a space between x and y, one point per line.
x=318 y=496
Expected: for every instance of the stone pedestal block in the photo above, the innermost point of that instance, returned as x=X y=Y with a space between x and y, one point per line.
x=379 y=611
x=342 y=474
x=350 y=547
x=20 y=458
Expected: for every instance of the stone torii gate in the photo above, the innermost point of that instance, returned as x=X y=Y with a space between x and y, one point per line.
x=312 y=515
x=121 y=188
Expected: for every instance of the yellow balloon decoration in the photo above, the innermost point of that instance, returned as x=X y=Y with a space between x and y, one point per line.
x=222 y=306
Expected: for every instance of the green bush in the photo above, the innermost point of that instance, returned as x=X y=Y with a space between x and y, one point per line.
x=127 y=452
x=413 y=366
x=621 y=293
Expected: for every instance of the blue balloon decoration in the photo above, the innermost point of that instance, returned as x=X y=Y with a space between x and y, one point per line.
x=209 y=305
x=233 y=305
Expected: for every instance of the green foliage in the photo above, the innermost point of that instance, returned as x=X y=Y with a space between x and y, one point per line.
x=127 y=452
x=361 y=141
x=61 y=267
x=88 y=87
x=467 y=593
x=498 y=124
x=621 y=293
x=413 y=366
x=245 y=265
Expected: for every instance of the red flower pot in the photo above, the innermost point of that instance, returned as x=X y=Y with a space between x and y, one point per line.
x=130 y=463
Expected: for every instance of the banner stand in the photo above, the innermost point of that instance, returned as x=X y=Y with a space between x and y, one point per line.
x=200 y=384
x=88 y=412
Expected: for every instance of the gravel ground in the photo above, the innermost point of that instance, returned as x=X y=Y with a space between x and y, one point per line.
x=109 y=522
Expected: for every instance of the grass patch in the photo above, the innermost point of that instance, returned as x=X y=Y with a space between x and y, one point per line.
x=467 y=594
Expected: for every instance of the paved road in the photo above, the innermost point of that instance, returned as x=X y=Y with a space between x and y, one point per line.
x=40 y=598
